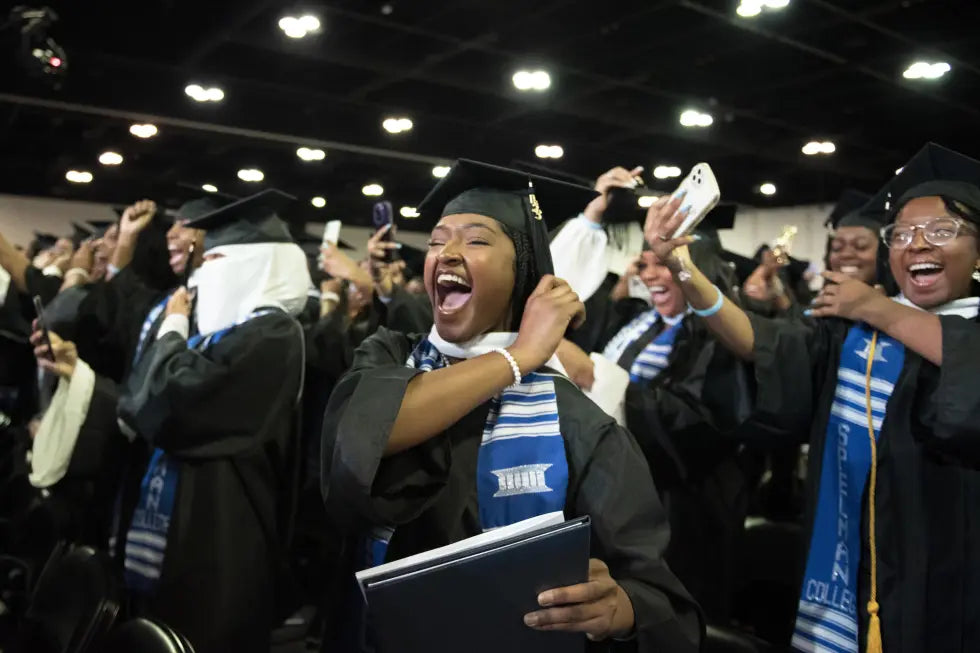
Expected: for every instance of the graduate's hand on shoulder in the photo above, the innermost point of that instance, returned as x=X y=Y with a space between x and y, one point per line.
x=179 y=303
x=600 y=608
x=844 y=297
x=663 y=218
x=61 y=358
x=550 y=309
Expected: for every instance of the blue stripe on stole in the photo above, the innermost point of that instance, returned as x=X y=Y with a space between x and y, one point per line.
x=628 y=334
x=146 y=540
x=827 y=619
x=522 y=469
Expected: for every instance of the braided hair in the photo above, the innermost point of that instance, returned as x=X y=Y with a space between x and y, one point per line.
x=525 y=276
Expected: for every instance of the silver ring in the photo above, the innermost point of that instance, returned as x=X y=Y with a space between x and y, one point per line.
x=663 y=237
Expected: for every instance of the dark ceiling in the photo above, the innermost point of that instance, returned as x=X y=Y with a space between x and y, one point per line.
x=622 y=72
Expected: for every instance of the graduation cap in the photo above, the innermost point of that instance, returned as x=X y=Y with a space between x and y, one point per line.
x=524 y=202
x=80 y=233
x=934 y=170
x=250 y=220
x=99 y=227
x=43 y=241
x=848 y=212
x=742 y=266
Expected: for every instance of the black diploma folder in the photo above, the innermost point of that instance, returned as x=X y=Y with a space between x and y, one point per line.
x=472 y=599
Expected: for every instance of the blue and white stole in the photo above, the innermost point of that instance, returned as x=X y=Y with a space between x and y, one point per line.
x=522 y=470
x=655 y=356
x=827 y=619
x=146 y=539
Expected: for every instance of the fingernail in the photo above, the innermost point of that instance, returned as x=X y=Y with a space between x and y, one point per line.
x=530 y=620
x=545 y=598
x=685 y=208
x=808 y=312
x=680 y=195
x=398 y=246
x=696 y=236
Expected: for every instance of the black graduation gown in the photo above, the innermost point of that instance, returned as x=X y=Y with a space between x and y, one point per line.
x=45 y=286
x=928 y=490
x=697 y=471
x=226 y=415
x=429 y=492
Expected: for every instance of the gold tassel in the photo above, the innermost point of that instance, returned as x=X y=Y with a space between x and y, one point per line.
x=874 y=629
x=874 y=623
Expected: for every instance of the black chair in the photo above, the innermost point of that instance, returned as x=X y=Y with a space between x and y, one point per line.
x=145 y=636
x=75 y=601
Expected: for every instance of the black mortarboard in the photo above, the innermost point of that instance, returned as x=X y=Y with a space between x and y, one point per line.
x=99 y=227
x=934 y=170
x=743 y=266
x=250 y=220
x=80 y=233
x=196 y=208
x=848 y=212
x=521 y=201
x=43 y=241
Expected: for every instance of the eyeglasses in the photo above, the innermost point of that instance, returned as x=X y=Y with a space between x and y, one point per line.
x=937 y=231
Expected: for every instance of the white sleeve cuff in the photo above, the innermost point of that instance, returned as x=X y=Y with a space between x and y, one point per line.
x=52 y=271
x=54 y=444
x=175 y=323
x=580 y=256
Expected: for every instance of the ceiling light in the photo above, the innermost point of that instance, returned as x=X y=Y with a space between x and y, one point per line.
x=318 y=202
x=373 y=190
x=78 y=176
x=308 y=154
x=531 y=80
x=767 y=188
x=250 y=175
x=397 y=125
x=752 y=8
x=666 y=172
x=110 y=158
x=440 y=171
x=819 y=147
x=926 y=70
x=147 y=130
x=200 y=94
x=549 y=152
x=899 y=171
x=209 y=188
x=297 y=27
x=409 y=212
x=695 y=118
x=646 y=201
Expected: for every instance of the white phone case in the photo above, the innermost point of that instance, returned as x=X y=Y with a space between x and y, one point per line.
x=702 y=195
x=331 y=232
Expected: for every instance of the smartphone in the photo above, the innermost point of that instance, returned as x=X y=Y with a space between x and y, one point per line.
x=43 y=325
x=383 y=214
x=331 y=233
x=702 y=195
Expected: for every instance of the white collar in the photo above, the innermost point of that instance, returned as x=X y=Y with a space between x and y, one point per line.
x=966 y=307
x=483 y=344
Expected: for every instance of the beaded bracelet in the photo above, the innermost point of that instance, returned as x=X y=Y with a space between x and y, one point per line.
x=513 y=364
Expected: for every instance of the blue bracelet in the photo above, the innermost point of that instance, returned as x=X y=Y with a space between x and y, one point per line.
x=714 y=308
